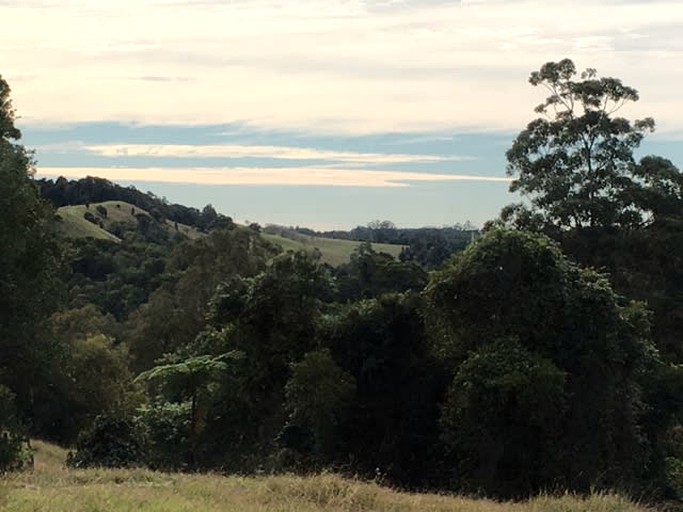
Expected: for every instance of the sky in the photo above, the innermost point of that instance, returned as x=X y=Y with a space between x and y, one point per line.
x=319 y=113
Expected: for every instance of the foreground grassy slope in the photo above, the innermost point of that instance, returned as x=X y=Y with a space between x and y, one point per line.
x=51 y=487
x=333 y=251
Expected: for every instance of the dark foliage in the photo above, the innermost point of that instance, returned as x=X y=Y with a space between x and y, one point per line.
x=111 y=443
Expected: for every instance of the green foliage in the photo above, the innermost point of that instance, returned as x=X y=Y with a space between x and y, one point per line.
x=111 y=442
x=571 y=335
x=479 y=295
x=370 y=274
x=503 y=412
x=317 y=396
x=278 y=321
x=14 y=450
x=176 y=311
x=90 y=217
x=30 y=258
x=7 y=129
x=392 y=422
x=576 y=164
x=275 y=326
x=610 y=212
x=169 y=436
x=89 y=375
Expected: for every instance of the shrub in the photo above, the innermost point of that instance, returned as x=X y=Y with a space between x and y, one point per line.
x=15 y=452
x=168 y=425
x=110 y=442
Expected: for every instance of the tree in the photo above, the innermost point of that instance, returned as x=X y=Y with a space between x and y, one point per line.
x=29 y=262
x=546 y=356
x=317 y=397
x=370 y=274
x=7 y=129
x=194 y=379
x=176 y=311
x=392 y=423
x=576 y=163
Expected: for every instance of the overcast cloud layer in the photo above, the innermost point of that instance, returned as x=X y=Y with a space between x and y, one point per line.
x=352 y=66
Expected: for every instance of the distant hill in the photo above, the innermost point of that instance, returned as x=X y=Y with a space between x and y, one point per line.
x=78 y=202
x=63 y=192
x=333 y=252
x=109 y=220
x=427 y=246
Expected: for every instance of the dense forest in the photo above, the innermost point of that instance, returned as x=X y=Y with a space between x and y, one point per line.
x=542 y=354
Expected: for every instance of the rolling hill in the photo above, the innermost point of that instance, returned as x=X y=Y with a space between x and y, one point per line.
x=73 y=223
x=106 y=215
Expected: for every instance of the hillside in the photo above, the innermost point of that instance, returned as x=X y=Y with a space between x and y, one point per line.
x=62 y=192
x=334 y=252
x=72 y=224
x=53 y=487
x=110 y=214
x=107 y=214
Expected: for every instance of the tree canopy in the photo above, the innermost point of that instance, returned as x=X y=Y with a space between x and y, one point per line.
x=575 y=164
x=547 y=365
x=29 y=263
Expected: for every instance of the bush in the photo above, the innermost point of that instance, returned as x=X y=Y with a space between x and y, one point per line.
x=168 y=425
x=110 y=442
x=90 y=217
x=15 y=452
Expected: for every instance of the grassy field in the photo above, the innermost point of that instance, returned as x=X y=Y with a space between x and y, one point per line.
x=52 y=487
x=333 y=251
x=74 y=225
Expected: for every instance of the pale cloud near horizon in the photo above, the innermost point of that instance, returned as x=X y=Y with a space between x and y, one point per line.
x=328 y=66
x=254 y=151
x=290 y=176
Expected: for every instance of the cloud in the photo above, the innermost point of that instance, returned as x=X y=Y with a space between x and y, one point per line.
x=336 y=66
x=293 y=176
x=251 y=151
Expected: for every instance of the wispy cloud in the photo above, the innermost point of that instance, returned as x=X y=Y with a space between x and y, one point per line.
x=292 y=176
x=252 y=151
x=350 y=66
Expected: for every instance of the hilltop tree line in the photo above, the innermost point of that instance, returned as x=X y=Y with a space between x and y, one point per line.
x=546 y=355
x=63 y=192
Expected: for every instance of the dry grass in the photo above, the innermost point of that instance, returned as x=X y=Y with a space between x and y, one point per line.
x=51 y=487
